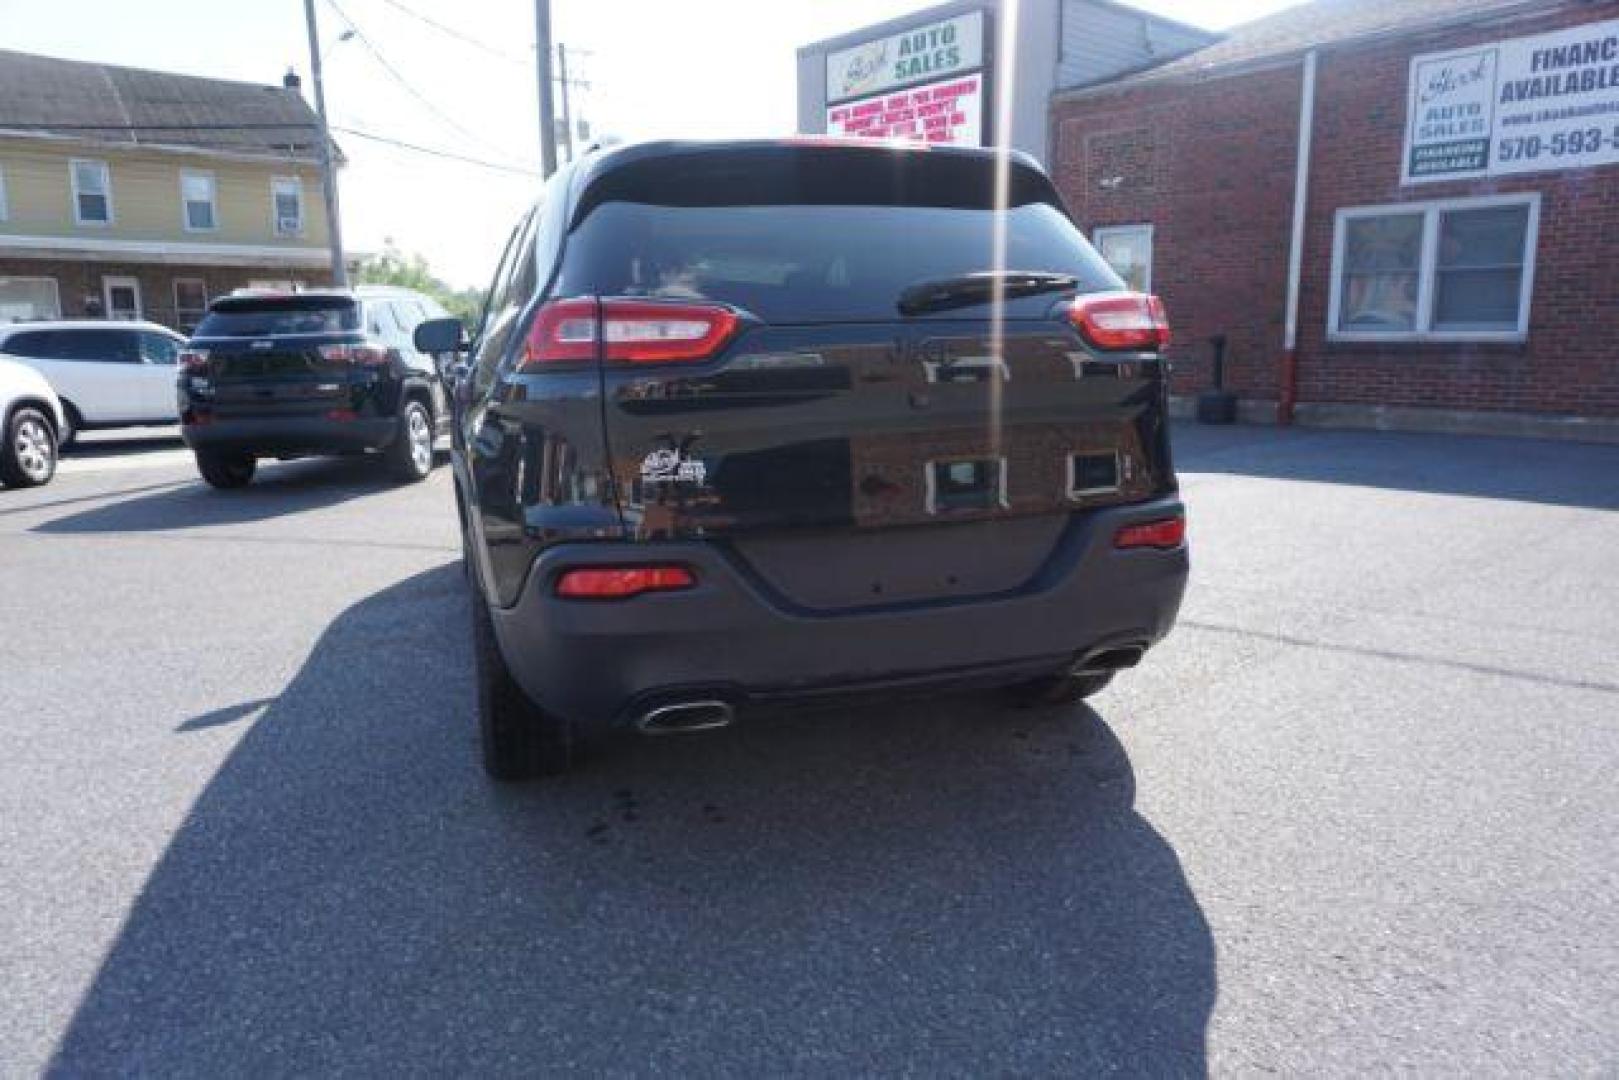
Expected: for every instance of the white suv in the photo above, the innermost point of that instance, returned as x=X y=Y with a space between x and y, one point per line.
x=30 y=417
x=108 y=374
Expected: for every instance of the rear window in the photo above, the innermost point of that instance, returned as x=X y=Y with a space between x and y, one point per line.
x=272 y=317
x=821 y=241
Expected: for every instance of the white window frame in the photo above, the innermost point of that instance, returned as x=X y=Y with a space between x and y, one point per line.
x=1427 y=267
x=213 y=200
x=930 y=482
x=1074 y=492
x=112 y=281
x=1102 y=232
x=106 y=183
x=297 y=184
x=56 y=287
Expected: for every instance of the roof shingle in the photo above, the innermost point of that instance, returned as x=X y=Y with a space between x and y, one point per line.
x=1317 y=24
x=107 y=103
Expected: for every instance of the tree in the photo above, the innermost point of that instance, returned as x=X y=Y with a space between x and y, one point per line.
x=410 y=271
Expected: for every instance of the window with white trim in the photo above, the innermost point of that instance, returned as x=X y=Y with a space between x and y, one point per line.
x=197 y=202
x=1128 y=249
x=1451 y=269
x=23 y=299
x=287 y=205
x=92 y=192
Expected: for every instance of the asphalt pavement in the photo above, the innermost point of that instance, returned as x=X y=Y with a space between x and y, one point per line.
x=1357 y=814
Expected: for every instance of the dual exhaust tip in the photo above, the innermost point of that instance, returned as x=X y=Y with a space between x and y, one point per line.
x=686 y=718
x=711 y=714
x=1126 y=656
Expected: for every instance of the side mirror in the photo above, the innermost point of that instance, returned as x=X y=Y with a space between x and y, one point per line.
x=440 y=336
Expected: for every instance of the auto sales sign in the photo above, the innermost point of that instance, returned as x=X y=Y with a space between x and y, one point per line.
x=1526 y=105
x=925 y=83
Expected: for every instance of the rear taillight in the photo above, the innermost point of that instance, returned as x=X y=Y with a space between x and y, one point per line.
x=365 y=355
x=626 y=331
x=620 y=583
x=1121 y=321
x=194 y=361
x=1163 y=533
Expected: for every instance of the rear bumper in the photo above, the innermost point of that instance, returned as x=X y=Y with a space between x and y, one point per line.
x=291 y=436
x=603 y=663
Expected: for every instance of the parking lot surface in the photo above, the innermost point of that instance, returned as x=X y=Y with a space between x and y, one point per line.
x=1357 y=813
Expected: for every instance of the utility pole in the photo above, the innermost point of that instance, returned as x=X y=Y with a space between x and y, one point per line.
x=567 y=114
x=542 y=59
x=328 y=173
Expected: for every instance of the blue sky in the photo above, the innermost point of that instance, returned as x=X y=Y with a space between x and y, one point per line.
x=697 y=68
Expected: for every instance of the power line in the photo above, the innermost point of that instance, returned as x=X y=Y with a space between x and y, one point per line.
x=401 y=80
x=458 y=35
x=435 y=152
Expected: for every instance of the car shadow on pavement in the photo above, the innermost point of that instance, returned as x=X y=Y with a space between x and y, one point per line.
x=944 y=887
x=279 y=488
x=1525 y=470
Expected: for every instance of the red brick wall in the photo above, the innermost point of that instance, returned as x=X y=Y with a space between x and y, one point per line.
x=1217 y=183
x=1212 y=171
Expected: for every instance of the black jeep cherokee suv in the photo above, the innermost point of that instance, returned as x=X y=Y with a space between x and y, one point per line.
x=288 y=375
x=752 y=422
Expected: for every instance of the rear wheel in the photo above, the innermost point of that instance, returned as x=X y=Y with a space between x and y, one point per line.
x=410 y=456
x=225 y=471
x=1059 y=689
x=519 y=741
x=28 y=457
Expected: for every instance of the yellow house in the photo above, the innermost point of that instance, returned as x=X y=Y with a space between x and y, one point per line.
x=138 y=194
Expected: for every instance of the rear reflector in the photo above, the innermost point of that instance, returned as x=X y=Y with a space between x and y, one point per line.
x=194 y=360
x=368 y=355
x=1121 y=321
x=342 y=414
x=628 y=331
x=1164 y=533
x=618 y=583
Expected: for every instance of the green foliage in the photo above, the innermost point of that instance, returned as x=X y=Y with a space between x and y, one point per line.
x=410 y=271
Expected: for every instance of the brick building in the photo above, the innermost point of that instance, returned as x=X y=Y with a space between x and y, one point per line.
x=1445 y=248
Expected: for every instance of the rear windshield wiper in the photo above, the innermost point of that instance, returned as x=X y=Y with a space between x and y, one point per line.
x=968 y=289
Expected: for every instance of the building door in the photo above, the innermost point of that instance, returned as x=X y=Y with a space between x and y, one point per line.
x=122 y=296
x=1128 y=249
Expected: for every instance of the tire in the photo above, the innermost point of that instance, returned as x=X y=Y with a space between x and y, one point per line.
x=28 y=457
x=410 y=455
x=1059 y=689
x=518 y=741
x=225 y=473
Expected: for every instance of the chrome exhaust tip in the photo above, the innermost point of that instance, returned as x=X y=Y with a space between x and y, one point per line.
x=686 y=717
x=1118 y=659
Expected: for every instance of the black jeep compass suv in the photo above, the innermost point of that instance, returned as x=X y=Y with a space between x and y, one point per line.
x=765 y=421
x=331 y=371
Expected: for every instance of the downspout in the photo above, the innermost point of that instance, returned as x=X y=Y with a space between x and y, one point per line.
x=1295 y=250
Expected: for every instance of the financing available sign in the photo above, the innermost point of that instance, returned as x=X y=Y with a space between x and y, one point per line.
x=925 y=83
x=1526 y=105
